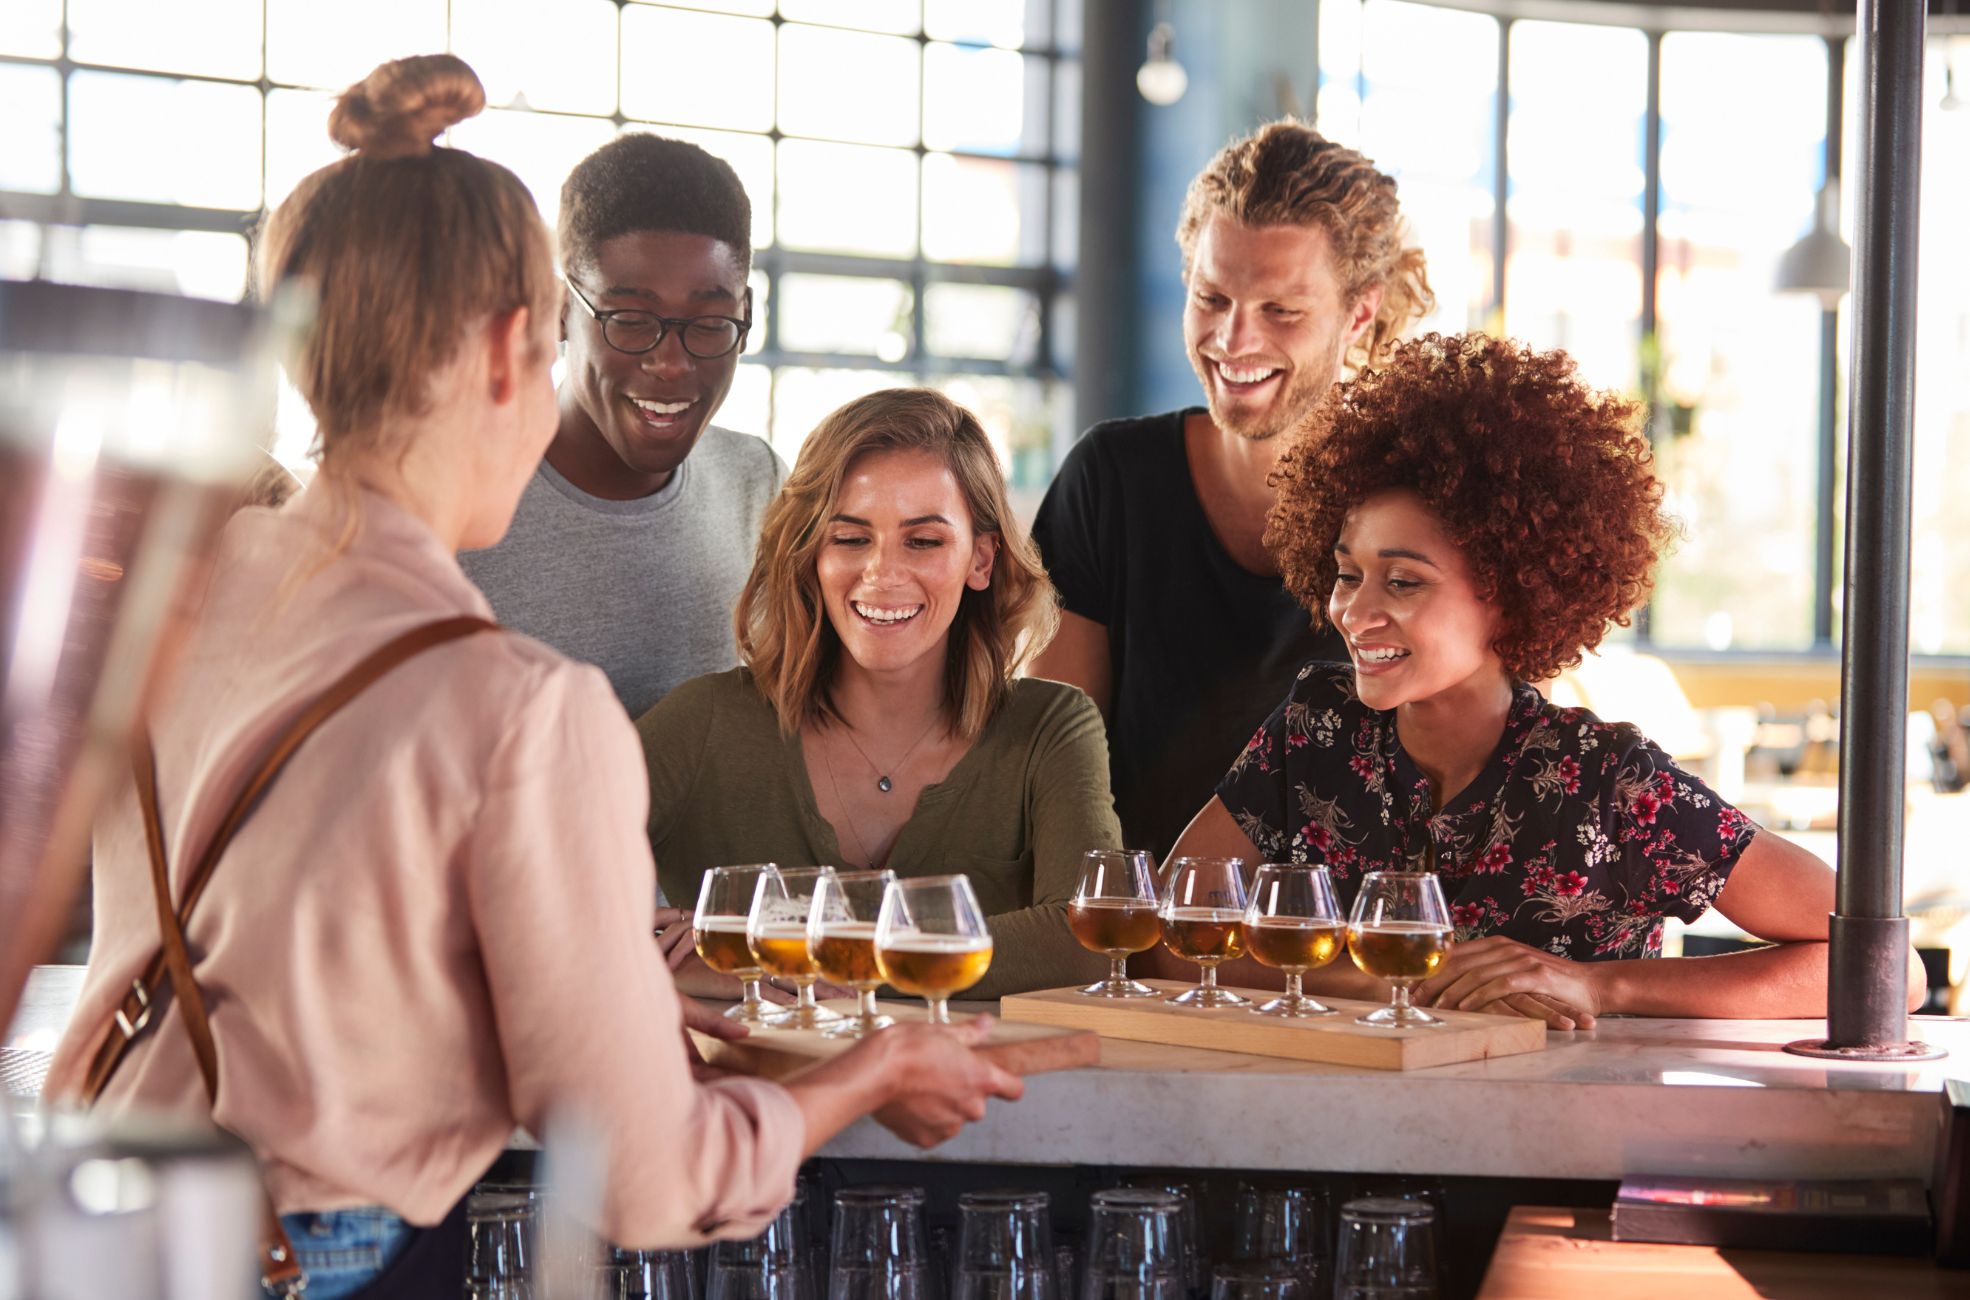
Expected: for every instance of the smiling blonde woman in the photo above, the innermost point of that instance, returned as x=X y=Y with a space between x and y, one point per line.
x=878 y=719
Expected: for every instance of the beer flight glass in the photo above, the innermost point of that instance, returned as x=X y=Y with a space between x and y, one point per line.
x=841 y=935
x=1293 y=924
x=776 y=931
x=1399 y=931
x=931 y=940
x=1203 y=919
x=724 y=902
x=1115 y=913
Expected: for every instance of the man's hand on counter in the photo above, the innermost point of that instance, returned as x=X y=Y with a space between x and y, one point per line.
x=1502 y=975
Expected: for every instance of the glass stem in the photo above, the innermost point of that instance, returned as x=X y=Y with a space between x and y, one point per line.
x=749 y=992
x=1210 y=980
x=940 y=1011
x=1293 y=994
x=1118 y=971
x=865 y=1005
x=805 y=999
x=1399 y=999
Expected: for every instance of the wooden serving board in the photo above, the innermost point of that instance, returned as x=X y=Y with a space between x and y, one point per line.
x=781 y=1053
x=1337 y=1039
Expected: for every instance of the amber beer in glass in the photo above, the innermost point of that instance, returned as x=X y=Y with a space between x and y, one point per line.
x=1115 y=913
x=1293 y=925
x=841 y=933
x=931 y=940
x=1399 y=930
x=1203 y=918
x=776 y=930
x=724 y=900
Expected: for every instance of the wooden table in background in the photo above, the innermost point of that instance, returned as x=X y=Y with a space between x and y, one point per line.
x=1555 y=1254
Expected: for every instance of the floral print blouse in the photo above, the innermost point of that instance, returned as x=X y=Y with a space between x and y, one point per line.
x=1578 y=836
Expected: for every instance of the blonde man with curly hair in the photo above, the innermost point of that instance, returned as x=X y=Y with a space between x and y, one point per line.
x=1175 y=620
x=879 y=719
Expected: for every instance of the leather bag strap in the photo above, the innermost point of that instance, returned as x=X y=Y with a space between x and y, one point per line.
x=280 y=1272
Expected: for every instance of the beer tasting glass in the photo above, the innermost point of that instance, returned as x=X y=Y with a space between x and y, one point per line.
x=1399 y=931
x=771 y=1266
x=841 y=932
x=724 y=901
x=1294 y=925
x=1203 y=916
x=1005 y=1248
x=776 y=931
x=1114 y=913
x=1387 y=1250
x=1261 y=1281
x=931 y=940
x=1134 y=1247
x=879 y=1246
x=646 y=1275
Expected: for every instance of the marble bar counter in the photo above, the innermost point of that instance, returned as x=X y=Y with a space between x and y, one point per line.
x=1679 y=1097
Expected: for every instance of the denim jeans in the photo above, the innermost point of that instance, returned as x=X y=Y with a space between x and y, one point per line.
x=342 y=1251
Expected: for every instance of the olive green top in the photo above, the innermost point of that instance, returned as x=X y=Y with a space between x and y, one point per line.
x=1015 y=814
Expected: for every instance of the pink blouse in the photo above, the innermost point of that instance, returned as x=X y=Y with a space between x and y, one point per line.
x=437 y=924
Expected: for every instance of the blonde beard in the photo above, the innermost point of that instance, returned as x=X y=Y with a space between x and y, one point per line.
x=1287 y=412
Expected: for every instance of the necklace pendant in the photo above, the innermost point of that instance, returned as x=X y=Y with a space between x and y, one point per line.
x=882 y=784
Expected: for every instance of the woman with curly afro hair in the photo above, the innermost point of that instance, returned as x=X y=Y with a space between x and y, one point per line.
x=1472 y=518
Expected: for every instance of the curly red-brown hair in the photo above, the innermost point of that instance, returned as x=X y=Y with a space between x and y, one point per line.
x=1545 y=484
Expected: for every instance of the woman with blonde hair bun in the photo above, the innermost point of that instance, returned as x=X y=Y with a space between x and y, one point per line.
x=433 y=924
x=879 y=720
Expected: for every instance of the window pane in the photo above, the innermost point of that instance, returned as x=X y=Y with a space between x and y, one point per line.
x=1067 y=110
x=1338 y=109
x=538 y=148
x=802 y=396
x=986 y=212
x=297 y=139
x=979 y=22
x=898 y=16
x=984 y=321
x=753 y=8
x=1066 y=217
x=31 y=29
x=875 y=103
x=1738 y=359
x=20 y=249
x=336 y=45
x=985 y=101
x=1015 y=415
x=842 y=198
x=762 y=304
x=748 y=406
x=222 y=41
x=1431 y=77
x=697 y=69
x=751 y=157
x=31 y=145
x=567 y=65
x=128 y=138
x=836 y=313
x=1067 y=23
x=202 y=264
x=1579 y=95
x=1939 y=590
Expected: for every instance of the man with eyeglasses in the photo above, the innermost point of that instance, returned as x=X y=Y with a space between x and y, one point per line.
x=635 y=534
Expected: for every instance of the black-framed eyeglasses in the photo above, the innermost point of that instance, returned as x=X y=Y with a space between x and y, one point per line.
x=635 y=332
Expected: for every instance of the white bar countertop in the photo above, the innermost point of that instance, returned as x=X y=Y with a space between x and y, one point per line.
x=1630 y=1096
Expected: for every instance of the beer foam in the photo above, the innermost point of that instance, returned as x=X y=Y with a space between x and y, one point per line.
x=919 y=941
x=720 y=924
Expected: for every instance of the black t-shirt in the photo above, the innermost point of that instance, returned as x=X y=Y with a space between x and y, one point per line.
x=1201 y=649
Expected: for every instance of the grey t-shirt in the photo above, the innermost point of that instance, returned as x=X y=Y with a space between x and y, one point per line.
x=642 y=589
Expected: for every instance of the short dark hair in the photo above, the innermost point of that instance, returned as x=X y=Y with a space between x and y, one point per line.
x=642 y=182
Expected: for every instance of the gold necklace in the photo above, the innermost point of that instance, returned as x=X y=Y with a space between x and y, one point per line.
x=842 y=804
x=883 y=783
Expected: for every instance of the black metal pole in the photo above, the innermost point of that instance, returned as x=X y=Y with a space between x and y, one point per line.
x=1867 y=1014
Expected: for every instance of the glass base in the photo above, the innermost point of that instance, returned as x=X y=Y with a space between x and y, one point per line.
x=857 y=1027
x=1210 y=996
x=1400 y=1018
x=1123 y=988
x=1299 y=1008
x=807 y=1017
x=755 y=1013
